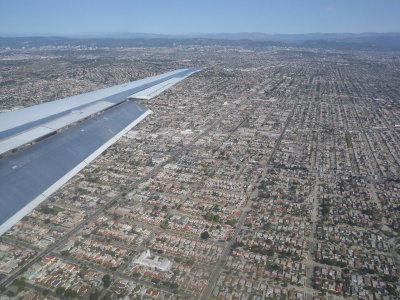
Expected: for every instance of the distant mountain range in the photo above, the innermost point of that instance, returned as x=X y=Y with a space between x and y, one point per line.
x=368 y=40
x=256 y=36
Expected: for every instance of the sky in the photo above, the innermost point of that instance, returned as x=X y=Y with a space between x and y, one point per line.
x=74 y=17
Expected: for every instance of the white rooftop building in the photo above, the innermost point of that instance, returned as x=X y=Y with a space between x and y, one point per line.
x=154 y=261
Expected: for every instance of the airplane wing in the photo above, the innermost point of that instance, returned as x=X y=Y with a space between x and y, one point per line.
x=45 y=145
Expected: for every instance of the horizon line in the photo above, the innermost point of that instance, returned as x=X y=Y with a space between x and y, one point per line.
x=3 y=34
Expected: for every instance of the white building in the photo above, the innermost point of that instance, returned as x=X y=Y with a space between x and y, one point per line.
x=149 y=260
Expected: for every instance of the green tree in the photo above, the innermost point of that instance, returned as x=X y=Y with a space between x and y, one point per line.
x=325 y=210
x=10 y=293
x=205 y=235
x=164 y=225
x=106 y=280
x=211 y=217
x=231 y=222
x=71 y=293
x=47 y=210
x=174 y=285
x=19 y=283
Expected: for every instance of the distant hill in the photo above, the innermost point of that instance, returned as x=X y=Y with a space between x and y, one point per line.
x=389 y=39
x=295 y=37
x=30 y=42
x=368 y=39
x=344 y=41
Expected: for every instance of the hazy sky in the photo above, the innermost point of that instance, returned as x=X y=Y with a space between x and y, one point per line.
x=197 y=16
